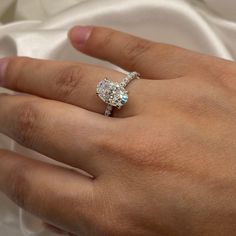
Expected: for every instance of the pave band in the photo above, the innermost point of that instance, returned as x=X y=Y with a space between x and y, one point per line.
x=114 y=94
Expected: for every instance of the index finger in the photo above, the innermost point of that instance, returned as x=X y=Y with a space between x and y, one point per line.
x=153 y=60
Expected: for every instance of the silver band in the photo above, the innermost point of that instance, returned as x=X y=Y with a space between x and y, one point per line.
x=113 y=93
x=131 y=76
x=108 y=111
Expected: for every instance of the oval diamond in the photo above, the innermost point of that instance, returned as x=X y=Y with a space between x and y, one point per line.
x=112 y=93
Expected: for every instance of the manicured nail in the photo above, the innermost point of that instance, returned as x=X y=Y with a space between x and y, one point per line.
x=80 y=34
x=3 y=66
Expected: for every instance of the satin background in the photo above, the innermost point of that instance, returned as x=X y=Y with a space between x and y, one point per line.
x=37 y=28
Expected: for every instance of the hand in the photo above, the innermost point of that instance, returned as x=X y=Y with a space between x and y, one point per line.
x=165 y=164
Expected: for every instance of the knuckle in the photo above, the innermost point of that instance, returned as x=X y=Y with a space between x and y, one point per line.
x=106 y=40
x=15 y=68
x=26 y=119
x=67 y=81
x=135 y=49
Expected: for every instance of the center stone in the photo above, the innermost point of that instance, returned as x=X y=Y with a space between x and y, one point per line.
x=112 y=93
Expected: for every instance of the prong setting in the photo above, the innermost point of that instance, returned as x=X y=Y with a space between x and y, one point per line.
x=114 y=94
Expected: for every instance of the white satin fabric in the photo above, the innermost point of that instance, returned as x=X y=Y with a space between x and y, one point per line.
x=38 y=29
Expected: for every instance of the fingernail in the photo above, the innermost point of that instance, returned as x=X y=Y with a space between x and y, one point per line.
x=3 y=66
x=80 y=34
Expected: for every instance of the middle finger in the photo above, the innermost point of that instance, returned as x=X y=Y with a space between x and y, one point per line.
x=60 y=131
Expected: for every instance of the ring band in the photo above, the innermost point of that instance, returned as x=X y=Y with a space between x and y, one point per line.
x=114 y=94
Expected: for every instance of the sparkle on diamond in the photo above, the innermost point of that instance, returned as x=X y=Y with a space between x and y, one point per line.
x=112 y=93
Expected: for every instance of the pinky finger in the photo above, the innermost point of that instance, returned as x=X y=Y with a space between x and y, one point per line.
x=57 y=195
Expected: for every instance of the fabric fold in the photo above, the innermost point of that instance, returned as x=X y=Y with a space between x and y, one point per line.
x=39 y=29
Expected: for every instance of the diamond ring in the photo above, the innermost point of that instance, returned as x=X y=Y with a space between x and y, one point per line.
x=114 y=94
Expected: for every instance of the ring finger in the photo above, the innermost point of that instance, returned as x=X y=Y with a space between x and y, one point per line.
x=73 y=83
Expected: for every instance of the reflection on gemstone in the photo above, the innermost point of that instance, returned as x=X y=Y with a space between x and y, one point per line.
x=112 y=93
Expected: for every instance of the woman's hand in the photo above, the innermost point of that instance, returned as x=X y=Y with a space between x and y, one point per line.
x=165 y=164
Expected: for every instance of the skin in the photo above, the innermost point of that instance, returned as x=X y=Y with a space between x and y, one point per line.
x=163 y=165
